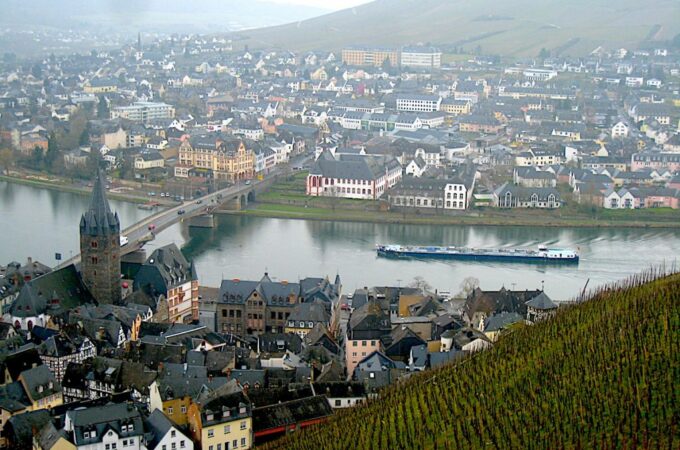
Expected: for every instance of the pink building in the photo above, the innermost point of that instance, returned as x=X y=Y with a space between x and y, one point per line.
x=669 y=161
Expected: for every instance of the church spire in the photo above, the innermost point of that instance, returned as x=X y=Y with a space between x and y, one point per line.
x=99 y=220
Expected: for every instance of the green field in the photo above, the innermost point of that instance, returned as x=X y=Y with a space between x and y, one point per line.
x=515 y=28
x=602 y=374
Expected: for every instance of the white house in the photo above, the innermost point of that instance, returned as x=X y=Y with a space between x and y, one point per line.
x=416 y=167
x=166 y=435
x=431 y=156
x=115 y=426
x=620 y=130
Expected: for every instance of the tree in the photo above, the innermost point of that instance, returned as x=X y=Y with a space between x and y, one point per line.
x=544 y=53
x=84 y=138
x=468 y=285
x=53 y=154
x=6 y=159
x=420 y=283
x=37 y=158
x=103 y=108
x=94 y=161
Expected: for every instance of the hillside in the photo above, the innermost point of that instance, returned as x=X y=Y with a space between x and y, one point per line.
x=506 y=27
x=602 y=374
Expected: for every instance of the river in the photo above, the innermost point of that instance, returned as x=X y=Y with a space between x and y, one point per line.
x=38 y=223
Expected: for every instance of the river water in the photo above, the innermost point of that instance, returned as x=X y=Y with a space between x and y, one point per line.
x=38 y=223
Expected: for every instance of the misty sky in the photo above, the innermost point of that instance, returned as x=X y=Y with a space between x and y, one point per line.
x=325 y=4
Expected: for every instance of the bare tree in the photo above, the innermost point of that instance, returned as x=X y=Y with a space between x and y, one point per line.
x=420 y=283
x=468 y=285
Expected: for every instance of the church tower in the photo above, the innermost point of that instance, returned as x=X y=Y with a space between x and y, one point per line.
x=100 y=247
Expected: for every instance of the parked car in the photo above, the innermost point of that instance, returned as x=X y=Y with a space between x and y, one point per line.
x=247 y=182
x=124 y=240
x=198 y=202
x=344 y=307
x=180 y=212
x=152 y=227
x=162 y=194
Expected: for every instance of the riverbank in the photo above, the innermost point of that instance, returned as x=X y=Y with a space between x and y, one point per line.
x=569 y=219
x=59 y=185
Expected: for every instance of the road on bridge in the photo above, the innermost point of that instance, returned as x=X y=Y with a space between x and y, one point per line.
x=140 y=233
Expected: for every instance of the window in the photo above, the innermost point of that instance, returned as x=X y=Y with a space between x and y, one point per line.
x=354 y=343
x=113 y=446
x=211 y=433
x=125 y=442
x=107 y=446
x=181 y=443
x=173 y=433
x=170 y=410
x=243 y=442
x=234 y=443
x=174 y=446
x=95 y=260
x=211 y=448
x=243 y=425
x=337 y=403
x=227 y=429
x=184 y=409
x=219 y=446
x=363 y=343
x=94 y=244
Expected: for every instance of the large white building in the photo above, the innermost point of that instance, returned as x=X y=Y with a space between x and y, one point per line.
x=144 y=111
x=418 y=103
x=423 y=57
x=353 y=176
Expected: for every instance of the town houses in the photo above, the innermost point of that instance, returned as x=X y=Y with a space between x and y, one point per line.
x=129 y=345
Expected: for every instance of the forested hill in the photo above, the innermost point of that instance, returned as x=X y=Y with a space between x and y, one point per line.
x=601 y=374
x=505 y=27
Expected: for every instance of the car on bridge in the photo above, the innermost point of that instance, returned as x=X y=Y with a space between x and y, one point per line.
x=180 y=212
x=124 y=240
x=151 y=227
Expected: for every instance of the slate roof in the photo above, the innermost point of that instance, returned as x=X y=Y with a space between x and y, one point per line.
x=310 y=312
x=354 y=167
x=542 y=301
x=274 y=293
x=158 y=425
x=13 y=397
x=98 y=220
x=19 y=361
x=19 y=428
x=39 y=295
x=37 y=382
x=501 y=321
x=104 y=418
x=291 y=412
x=165 y=269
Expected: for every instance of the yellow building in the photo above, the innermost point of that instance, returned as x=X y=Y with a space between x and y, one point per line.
x=49 y=438
x=173 y=397
x=101 y=86
x=229 y=159
x=359 y=56
x=455 y=107
x=42 y=389
x=222 y=423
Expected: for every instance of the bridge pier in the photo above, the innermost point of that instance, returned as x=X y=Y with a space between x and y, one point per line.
x=204 y=221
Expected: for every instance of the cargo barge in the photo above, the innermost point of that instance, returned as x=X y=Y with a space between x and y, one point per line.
x=542 y=255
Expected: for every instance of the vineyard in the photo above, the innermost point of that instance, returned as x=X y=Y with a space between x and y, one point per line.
x=603 y=373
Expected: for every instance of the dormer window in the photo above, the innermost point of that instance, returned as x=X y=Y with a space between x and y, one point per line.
x=40 y=389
